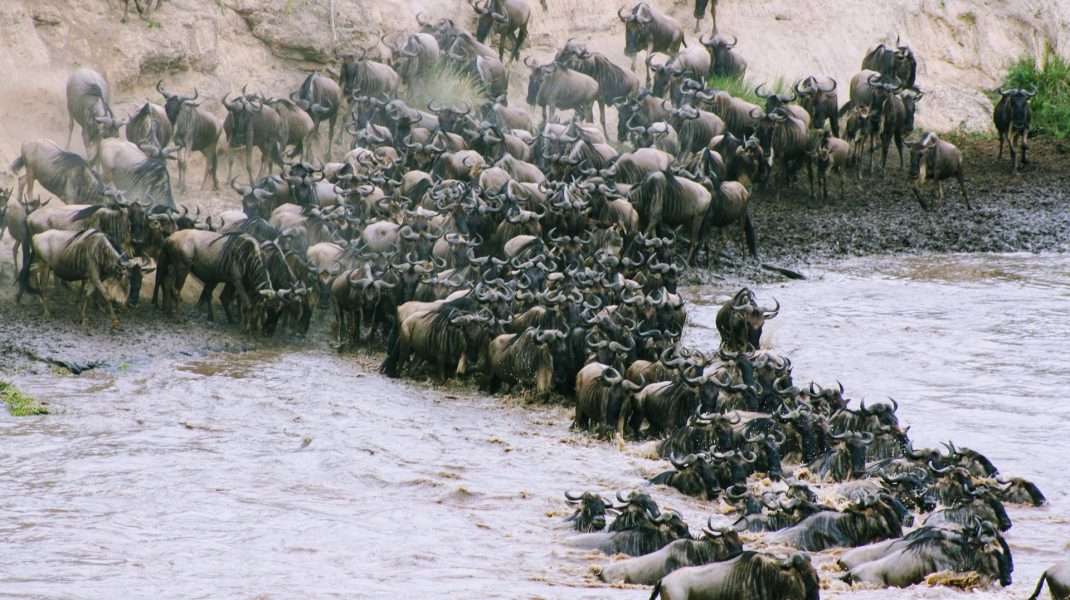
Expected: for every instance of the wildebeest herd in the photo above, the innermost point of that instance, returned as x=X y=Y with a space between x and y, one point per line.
x=486 y=244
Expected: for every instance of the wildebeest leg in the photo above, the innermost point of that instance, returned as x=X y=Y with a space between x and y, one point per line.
x=70 y=131
x=519 y=41
x=1002 y=136
x=810 y=176
x=962 y=186
x=205 y=301
x=899 y=147
x=178 y=280
x=249 y=163
x=212 y=164
x=602 y=116
x=42 y=281
x=1024 y=139
x=182 y=164
x=330 y=135
x=98 y=287
x=1014 y=157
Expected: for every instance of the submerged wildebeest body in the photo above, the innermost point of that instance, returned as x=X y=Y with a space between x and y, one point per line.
x=749 y=576
x=715 y=545
x=1058 y=578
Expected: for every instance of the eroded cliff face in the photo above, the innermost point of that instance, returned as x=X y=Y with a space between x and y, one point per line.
x=963 y=47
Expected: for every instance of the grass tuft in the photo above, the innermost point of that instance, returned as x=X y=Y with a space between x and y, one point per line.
x=1051 y=79
x=444 y=84
x=18 y=403
x=743 y=88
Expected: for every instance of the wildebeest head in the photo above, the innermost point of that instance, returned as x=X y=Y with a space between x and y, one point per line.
x=879 y=518
x=242 y=110
x=910 y=103
x=636 y=507
x=173 y=102
x=741 y=319
x=590 y=513
x=618 y=392
x=692 y=476
x=538 y=74
x=721 y=543
x=923 y=158
x=854 y=444
x=638 y=32
x=897 y=61
x=474 y=330
x=774 y=100
x=490 y=13
x=349 y=71
x=813 y=95
x=731 y=466
x=912 y=489
x=1019 y=110
x=664 y=74
x=768 y=450
x=1020 y=491
x=131 y=273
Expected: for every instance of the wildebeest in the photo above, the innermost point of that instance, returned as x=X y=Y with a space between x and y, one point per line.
x=233 y=259
x=524 y=358
x=785 y=138
x=359 y=76
x=715 y=545
x=509 y=18
x=729 y=207
x=88 y=256
x=646 y=534
x=663 y=199
x=150 y=124
x=832 y=154
x=321 y=98
x=724 y=60
x=446 y=337
x=892 y=62
x=591 y=513
x=602 y=398
x=820 y=100
x=692 y=475
x=138 y=176
x=910 y=559
x=700 y=10
x=1012 y=115
x=1058 y=578
x=196 y=130
x=887 y=119
x=88 y=104
x=749 y=576
x=933 y=158
x=647 y=29
x=254 y=123
x=65 y=174
x=613 y=81
x=554 y=86
x=871 y=520
x=361 y=298
x=740 y=321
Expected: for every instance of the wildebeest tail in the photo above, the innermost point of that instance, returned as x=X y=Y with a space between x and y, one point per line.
x=1040 y=586
x=657 y=590
x=752 y=243
x=17 y=165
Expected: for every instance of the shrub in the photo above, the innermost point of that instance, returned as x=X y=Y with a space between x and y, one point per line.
x=743 y=88
x=444 y=84
x=19 y=404
x=1051 y=80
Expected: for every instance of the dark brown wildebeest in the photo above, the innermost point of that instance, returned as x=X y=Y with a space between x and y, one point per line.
x=646 y=29
x=1011 y=116
x=554 y=87
x=509 y=18
x=613 y=81
x=724 y=61
x=740 y=321
x=820 y=101
x=892 y=62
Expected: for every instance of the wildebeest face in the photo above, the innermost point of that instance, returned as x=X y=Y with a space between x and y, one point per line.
x=636 y=36
x=910 y=103
x=534 y=82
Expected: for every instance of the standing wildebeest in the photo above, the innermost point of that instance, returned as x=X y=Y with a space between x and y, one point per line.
x=938 y=160
x=65 y=174
x=1058 y=578
x=88 y=104
x=821 y=102
x=724 y=61
x=728 y=207
x=509 y=18
x=1011 y=116
x=321 y=98
x=523 y=358
x=554 y=86
x=749 y=576
x=255 y=124
x=88 y=255
x=233 y=259
x=786 y=139
x=897 y=63
x=700 y=10
x=359 y=76
x=196 y=130
x=832 y=154
x=873 y=519
x=613 y=81
x=415 y=57
x=150 y=125
x=689 y=63
x=602 y=398
x=444 y=337
x=662 y=198
x=887 y=119
x=740 y=321
x=138 y=175
x=645 y=29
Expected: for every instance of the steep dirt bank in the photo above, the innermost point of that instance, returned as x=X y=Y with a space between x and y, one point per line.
x=219 y=45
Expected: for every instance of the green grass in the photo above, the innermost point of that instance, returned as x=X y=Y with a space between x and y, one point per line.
x=18 y=403
x=743 y=88
x=1051 y=79
x=968 y=18
x=444 y=84
x=154 y=24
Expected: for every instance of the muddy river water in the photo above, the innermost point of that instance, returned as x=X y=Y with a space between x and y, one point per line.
x=304 y=474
